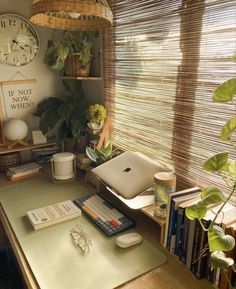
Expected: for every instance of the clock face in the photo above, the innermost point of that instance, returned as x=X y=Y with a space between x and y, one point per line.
x=19 y=42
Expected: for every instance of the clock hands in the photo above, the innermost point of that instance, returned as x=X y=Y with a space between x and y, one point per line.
x=17 y=43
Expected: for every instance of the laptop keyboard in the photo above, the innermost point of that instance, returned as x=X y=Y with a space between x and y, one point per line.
x=103 y=214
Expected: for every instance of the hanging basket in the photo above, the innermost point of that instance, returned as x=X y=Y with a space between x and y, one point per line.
x=73 y=66
x=81 y=15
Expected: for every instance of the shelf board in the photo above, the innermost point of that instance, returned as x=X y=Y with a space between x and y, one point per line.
x=149 y=211
x=82 y=78
x=18 y=148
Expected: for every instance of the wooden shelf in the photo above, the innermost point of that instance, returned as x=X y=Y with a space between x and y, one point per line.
x=18 y=148
x=149 y=211
x=82 y=78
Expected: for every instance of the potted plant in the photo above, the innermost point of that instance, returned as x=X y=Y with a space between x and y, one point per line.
x=102 y=155
x=96 y=115
x=70 y=51
x=66 y=117
x=219 y=243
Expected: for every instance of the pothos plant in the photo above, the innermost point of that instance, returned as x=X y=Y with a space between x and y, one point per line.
x=220 y=164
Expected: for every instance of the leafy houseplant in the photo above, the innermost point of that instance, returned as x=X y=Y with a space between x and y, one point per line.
x=218 y=241
x=66 y=116
x=100 y=156
x=67 y=44
x=96 y=114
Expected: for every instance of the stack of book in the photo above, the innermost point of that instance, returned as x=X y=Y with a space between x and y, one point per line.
x=24 y=171
x=187 y=240
x=43 y=155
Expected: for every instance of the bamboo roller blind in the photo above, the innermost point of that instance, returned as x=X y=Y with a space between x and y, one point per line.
x=162 y=61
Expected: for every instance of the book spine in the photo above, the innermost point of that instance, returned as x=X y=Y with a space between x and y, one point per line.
x=179 y=231
x=195 y=247
x=185 y=238
x=171 y=225
x=202 y=252
x=209 y=274
x=192 y=225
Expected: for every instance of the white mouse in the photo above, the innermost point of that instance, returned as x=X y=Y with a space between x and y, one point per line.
x=127 y=240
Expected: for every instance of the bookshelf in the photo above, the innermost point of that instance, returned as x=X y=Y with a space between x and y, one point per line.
x=19 y=148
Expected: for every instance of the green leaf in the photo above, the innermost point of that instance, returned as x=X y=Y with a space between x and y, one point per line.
x=99 y=152
x=100 y=160
x=107 y=151
x=219 y=260
x=232 y=168
x=234 y=57
x=228 y=129
x=63 y=51
x=48 y=120
x=197 y=211
x=64 y=110
x=226 y=91
x=91 y=154
x=212 y=196
x=62 y=132
x=218 y=241
x=46 y=104
x=234 y=267
x=85 y=54
x=216 y=162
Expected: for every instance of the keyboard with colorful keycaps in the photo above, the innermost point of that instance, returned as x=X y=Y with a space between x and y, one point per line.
x=103 y=214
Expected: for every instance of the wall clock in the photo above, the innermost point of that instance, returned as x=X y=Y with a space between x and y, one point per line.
x=19 y=41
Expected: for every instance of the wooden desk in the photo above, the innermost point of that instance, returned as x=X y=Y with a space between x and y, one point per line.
x=171 y=275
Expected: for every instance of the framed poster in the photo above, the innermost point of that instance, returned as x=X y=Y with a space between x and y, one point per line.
x=18 y=98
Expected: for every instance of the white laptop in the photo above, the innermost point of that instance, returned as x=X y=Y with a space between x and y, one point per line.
x=129 y=174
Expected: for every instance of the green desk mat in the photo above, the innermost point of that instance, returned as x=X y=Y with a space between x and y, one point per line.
x=51 y=253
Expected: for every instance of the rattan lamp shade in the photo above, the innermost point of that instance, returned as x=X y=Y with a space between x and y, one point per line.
x=81 y=15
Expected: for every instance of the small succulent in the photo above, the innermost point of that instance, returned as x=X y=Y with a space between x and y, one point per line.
x=102 y=155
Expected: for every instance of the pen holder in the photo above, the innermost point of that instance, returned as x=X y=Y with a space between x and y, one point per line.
x=63 y=167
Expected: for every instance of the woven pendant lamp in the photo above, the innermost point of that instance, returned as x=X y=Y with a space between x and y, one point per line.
x=81 y=15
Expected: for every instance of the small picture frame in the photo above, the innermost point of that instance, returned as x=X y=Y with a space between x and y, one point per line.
x=38 y=137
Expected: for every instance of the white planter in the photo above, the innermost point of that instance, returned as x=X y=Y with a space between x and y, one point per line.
x=96 y=126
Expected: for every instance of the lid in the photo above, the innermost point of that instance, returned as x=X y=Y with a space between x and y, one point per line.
x=166 y=178
x=63 y=157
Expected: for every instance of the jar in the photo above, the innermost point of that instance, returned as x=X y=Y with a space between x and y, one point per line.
x=164 y=184
x=63 y=166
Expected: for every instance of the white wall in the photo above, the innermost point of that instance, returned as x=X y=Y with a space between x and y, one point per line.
x=48 y=83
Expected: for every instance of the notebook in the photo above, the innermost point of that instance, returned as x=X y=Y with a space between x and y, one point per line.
x=129 y=174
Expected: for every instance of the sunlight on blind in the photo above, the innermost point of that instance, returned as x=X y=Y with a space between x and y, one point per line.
x=162 y=61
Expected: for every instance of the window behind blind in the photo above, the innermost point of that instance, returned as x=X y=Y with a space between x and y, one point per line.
x=162 y=61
